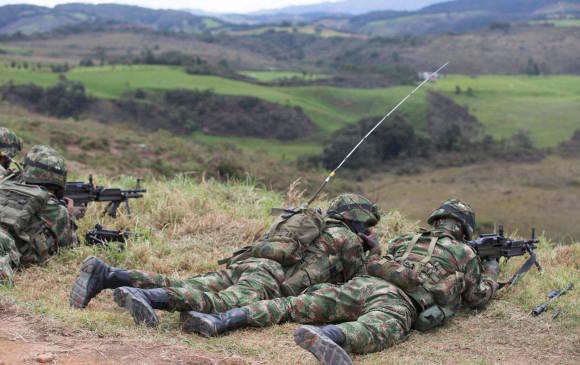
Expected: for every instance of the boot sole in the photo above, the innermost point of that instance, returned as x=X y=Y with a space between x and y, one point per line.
x=197 y=324
x=141 y=311
x=79 y=293
x=325 y=350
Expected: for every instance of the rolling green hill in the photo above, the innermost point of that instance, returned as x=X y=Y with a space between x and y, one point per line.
x=547 y=107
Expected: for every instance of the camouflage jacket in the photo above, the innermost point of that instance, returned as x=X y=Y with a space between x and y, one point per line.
x=451 y=276
x=335 y=257
x=52 y=229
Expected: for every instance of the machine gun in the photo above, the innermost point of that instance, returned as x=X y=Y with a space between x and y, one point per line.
x=102 y=237
x=83 y=193
x=495 y=246
x=552 y=296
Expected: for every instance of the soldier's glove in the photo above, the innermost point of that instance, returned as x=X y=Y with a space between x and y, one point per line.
x=491 y=268
x=371 y=242
x=75 y=212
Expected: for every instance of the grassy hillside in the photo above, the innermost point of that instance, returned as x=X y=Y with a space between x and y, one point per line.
x=329 y=107
x=186 y=226
x=547 y=106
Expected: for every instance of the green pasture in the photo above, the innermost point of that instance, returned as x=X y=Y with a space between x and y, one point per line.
x=330 y=108
x=280 y=75
x=309 y=29
x=564 y=23
x=546 y=107
x=274 y=148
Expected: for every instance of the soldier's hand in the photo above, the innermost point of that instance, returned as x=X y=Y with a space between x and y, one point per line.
x=371 y=242
x=75 y=212
x=491 y=268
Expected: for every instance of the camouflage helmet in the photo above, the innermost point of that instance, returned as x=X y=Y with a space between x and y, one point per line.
x=356 y=209
x=10 y=144
x=44 y=166
x=455 y=208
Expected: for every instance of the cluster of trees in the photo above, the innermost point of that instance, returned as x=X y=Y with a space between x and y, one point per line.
x=453 y=138
x=63 y=100
x=179 y=111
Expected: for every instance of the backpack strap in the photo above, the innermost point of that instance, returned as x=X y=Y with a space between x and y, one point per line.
x=410 y=247
x=432 y=245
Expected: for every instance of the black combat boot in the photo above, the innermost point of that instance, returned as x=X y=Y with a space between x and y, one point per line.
x=142 y=303
x=96 y=276
x=326 y=343
x=212 y=325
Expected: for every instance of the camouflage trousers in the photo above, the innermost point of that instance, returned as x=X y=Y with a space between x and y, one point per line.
x=373 y=313
x=8 y=248
x=9 y=257
x=240 y=284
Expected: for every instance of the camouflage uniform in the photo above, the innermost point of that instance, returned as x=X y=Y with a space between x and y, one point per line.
x=302 y=248
x=49 y=228
x=335 y=257
x=421 y=281
x=10 y=146
x=372 y=313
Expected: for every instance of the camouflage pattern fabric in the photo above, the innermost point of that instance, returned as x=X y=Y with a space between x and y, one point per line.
x=241 y=283
x=335 y=257
x=10 y=144
x=54 y=229
x=354 y=208
x=8 y=248
x=9 y=256
x=453 y=275
x=456 y=209
x=6 y=274
x=372 y=313
x=44 y=166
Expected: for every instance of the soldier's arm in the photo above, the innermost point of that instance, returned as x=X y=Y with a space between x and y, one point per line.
x=351 y=253
x=60 y=223
x=479 y=286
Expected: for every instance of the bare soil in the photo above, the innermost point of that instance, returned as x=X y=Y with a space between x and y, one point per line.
x=32 y=339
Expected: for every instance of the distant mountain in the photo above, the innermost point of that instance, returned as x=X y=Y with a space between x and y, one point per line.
x=454 y=16
x=28 y=19
x=351 y=7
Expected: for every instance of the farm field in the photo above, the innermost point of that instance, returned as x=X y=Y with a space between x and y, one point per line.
x=547 y=107
x=564 y=23
x=280 y=75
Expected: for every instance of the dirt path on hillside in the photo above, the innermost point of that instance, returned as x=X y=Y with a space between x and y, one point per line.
x=30 y=339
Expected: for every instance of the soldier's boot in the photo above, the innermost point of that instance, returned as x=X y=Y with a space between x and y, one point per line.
x=96 y=276
x=142 y=303
x=212 y=325
x=326 y=343
x=6 y=273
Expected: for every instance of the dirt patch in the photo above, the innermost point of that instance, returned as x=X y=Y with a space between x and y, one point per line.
x=32 y=339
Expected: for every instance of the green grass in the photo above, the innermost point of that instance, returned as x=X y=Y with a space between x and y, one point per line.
x=547 y=107
x=185 y=226
x=330 y=108
x=15 y=50
x=274 y=148
x=309 y=29
x=279 y=75
x=560 y=23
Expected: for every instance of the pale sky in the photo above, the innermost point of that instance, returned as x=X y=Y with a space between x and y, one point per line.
x=221 y=6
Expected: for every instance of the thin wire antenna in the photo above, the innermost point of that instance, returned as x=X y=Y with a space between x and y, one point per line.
x=333 y=173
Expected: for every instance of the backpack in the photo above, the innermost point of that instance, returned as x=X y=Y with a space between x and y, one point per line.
x=286 y=239
x=19 y=203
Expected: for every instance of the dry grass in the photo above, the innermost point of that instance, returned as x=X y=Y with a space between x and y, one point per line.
x=186 y=226
x=520 y=196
